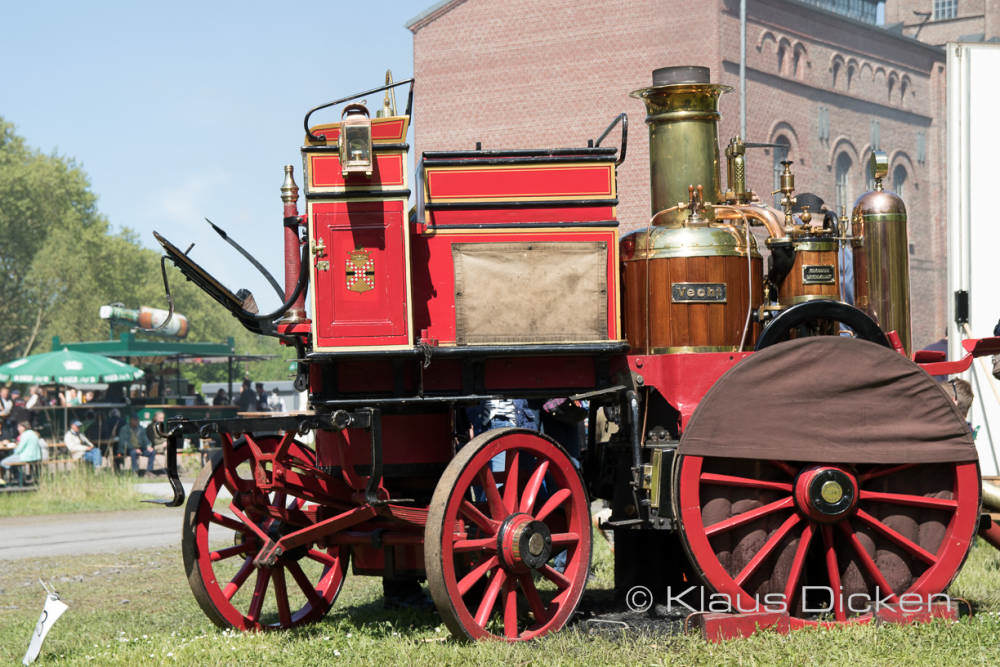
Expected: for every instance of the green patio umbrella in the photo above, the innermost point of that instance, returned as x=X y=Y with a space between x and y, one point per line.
x=68 y=367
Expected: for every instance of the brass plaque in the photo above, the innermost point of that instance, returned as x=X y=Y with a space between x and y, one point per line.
x=819 y=274
x=360 y=270
x=698 y=292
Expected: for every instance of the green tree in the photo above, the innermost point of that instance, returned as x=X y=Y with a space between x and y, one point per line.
x=59 y=262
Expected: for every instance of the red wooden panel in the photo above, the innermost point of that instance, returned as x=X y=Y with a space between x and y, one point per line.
x=521 y=182
x=325 y=172
x=361 y=294
x=434 y=278
x=385 y=130
x=538 y=373
x=602 y=213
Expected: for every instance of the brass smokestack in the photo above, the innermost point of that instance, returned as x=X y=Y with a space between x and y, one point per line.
x=682 y=111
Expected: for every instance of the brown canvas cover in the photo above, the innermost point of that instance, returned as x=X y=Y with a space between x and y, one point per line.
x=829 y=399
x=530 y=292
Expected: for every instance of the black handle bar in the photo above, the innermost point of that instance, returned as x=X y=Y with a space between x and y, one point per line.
x=409 y=103
x=623 y=119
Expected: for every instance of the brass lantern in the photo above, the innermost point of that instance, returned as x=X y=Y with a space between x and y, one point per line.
x=355 y=141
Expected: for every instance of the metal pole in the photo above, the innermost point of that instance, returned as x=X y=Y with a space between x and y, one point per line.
x=743 y=69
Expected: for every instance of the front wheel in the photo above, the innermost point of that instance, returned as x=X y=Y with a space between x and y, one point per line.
x=508 y=538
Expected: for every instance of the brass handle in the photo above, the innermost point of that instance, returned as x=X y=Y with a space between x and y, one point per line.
x=319 y=248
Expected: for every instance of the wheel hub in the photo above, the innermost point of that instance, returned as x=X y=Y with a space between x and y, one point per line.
x=524 y=543
x=826 y=493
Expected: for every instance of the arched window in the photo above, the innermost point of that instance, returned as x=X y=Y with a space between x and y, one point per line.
x=843 y=171
x=836 y=72
x=850 y=76
x=899 y=180
x=904 y=87
x=779 y=155
x=782 y=57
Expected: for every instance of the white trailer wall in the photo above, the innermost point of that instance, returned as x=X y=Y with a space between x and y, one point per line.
x=973 y=124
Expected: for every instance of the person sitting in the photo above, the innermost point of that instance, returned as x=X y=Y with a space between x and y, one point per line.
x=275 y=403
x=80 y=446
x=220 y=398
x=28 y=450
x=133 y=441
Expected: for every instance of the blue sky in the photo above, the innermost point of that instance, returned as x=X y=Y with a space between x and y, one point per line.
x=183 y=110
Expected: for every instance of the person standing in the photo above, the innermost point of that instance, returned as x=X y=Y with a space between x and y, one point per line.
x=28 y=450
x=80 y=446
x=7 y=425
x=261 y=397
x=247 y=401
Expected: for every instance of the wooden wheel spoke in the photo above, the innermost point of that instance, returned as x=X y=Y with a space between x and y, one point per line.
x=534 y=599
x=565 y=540
x=532 y=488
x=229 y=552
x=227 y=522
x=321 y=557
x=264 y=537
x=798 y=563
x=279 y=500
x=511 y=482
x=488 y=544
x=766 y=550
x=472 y=513
x=909 y=545
x=259 y=591
x=748 y=516
x=833 y=572
x=556 y=577
x=554 y=501
x=490 y=597
x=281 y=597
x=910 y=500
x=785 y=468
x=315 y=599
x=747 y=482
x=493 y=499
x=477 y=573
x=867 y=561
x=510 y=609
x=241 y=576
x=875 y=473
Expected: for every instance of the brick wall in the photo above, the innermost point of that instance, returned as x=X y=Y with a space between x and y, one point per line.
x=545 y=73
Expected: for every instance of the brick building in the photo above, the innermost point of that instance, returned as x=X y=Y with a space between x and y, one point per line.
x=942 y=21
x=822 y=79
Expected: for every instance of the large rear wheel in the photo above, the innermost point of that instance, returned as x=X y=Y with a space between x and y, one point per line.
x=826 y=542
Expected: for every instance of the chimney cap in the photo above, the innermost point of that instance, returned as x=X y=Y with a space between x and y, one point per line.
x=666 y=76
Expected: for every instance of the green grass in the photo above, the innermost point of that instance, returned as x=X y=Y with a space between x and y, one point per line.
x=78 y=490
x=136 y=607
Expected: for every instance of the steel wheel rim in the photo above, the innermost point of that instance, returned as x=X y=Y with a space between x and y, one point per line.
x=287 y=581
x=864 y=529
x=460 y=566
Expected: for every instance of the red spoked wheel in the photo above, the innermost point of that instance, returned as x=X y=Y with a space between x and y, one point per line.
x=494 y=540
x=219 y=549
x=826 y=543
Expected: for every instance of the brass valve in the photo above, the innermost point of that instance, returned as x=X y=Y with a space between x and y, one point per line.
x=696 y=204
x=787 y=181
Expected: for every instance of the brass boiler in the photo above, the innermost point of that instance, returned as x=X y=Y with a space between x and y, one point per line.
x=814 y=272
x=689 y=279
x=688 y=288
x=881 y=255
